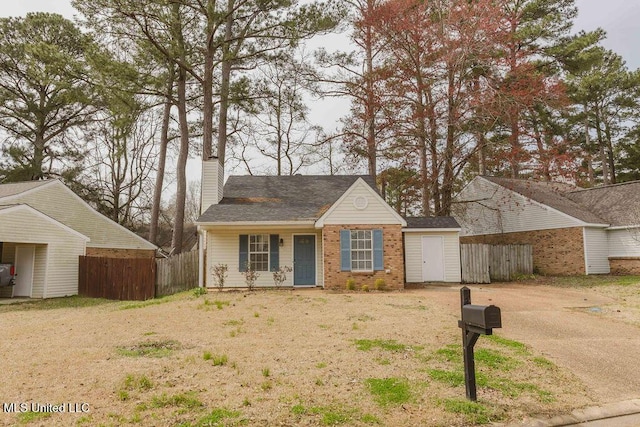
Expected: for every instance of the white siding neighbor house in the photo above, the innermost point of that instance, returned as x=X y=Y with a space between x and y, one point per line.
x=323 y=230
x=45 y=228
x=572 y=230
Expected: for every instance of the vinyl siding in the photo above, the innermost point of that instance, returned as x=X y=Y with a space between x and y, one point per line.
x=413 y=255
x=624 y=243
x=223 y=247
x=376 y=211
x=596 y=250
x=493 y=209
x=56 y=255
x=61 y=204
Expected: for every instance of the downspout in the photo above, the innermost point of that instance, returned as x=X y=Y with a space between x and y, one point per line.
x=201 y=248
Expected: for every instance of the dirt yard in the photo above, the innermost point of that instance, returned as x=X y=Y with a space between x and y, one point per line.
x=268 y=358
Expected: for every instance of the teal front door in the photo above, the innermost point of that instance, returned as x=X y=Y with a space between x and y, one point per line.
x=304 y=260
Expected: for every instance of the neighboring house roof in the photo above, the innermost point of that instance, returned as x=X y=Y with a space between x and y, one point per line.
x=432 y=222
x=57 y=201
x=618 y=204
x=279 y=198
x=12 y=189
x=552 y=194
x=23 y=207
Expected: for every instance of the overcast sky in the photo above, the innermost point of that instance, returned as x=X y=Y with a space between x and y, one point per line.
x=619 y=18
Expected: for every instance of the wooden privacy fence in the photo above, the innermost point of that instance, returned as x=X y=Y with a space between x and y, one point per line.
x=117 y=278
x=176 y=274
x=483 y=263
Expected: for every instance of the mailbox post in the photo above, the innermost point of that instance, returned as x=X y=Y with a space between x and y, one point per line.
x=476 y=320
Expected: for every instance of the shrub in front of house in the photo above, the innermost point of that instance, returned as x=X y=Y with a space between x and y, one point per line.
x=351 y=284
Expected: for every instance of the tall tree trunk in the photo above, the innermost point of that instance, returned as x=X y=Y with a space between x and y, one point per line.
x=225 y=83
x=370 y=107
x=181 y=167
x=610 y=159
x=604 y=158
x=207 y=83
x=448 y=177
x=162 y=160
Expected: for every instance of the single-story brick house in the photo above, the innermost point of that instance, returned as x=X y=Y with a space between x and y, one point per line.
x=45 y=227
x=572 y=230
x=326 y=228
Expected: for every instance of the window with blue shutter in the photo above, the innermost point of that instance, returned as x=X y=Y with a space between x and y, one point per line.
x=274 y=252
x=345 y=250
x=378 y=250
x=259 y=251
x=361 y=250
x=244 y=252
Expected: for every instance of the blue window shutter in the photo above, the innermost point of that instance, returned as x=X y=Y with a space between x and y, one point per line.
x=274 y=252
x=345 y=250
x=378 y=250
x=244 y=252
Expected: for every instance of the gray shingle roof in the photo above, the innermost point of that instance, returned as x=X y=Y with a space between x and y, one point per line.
x=616 y=205
x=432 y=222
x=279 y=198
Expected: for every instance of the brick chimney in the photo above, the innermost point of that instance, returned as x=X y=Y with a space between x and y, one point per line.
x=211 y=184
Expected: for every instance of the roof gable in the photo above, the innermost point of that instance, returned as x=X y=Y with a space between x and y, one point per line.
x=360 y=204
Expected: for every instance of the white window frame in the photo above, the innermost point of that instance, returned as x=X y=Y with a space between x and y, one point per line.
x=361 y=245
x=252 y=250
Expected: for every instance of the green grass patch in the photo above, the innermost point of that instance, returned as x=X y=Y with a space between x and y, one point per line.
x=221 y=304
x=137 y=383
x=182 y=400
x=329 y=415
x=150 y=349
x=543 y=362
x=234 y=322
x=143 y=304
x=29 y=416
x=389 y=391
x=220 y=359
x=495 y=360
x=474 y=412
x=215 y=418
x=56 y=303
x=388 y=345
x=452 y=378
x=451 y=353
x=514 y=389
x=504 y=342
x=595 y=281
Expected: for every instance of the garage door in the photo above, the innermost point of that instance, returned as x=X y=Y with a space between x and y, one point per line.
x=432 y=259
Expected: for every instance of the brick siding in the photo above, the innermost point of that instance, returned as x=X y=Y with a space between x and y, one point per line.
x=625 y=265
x=334 y=278
x=557 y=252
x=120 y=253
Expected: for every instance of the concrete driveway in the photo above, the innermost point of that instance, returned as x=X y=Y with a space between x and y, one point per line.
x=564 y=325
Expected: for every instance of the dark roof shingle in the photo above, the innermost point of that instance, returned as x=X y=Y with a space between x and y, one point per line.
x=432 y=222
x=279 y=198
x=615 y=205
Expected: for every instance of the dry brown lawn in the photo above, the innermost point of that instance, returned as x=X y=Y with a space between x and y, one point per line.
x=268 y=358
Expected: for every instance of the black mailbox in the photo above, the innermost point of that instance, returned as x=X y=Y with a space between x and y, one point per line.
x=482 y=316
x=476 y=320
